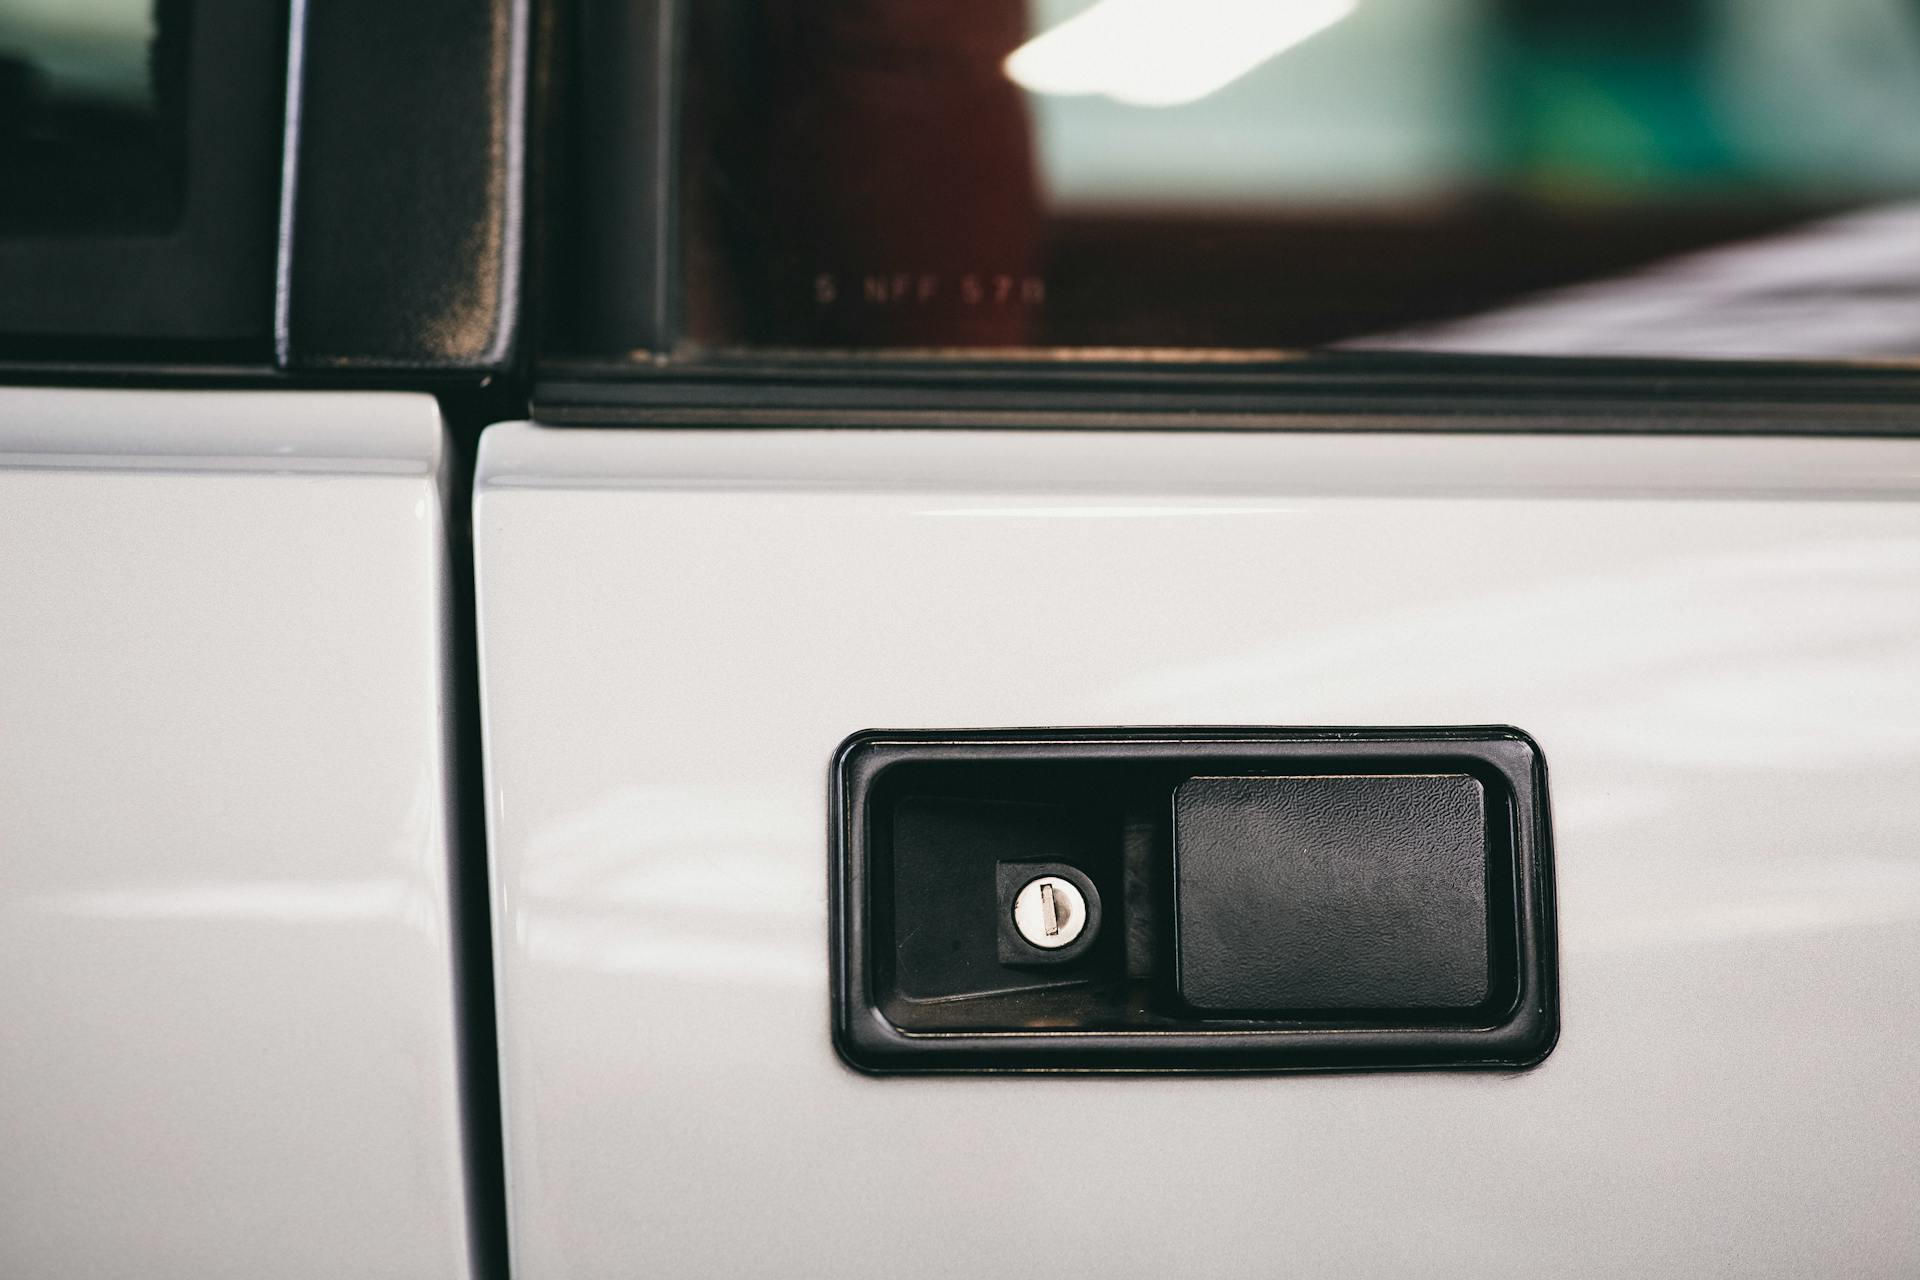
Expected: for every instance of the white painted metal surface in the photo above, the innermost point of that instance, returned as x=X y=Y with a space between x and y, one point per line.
x=1716 y=642
x=227 y=1035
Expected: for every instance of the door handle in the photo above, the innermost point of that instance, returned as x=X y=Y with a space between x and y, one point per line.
x=1273 y=899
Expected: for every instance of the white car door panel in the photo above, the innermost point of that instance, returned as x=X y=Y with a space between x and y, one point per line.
x=230 y=1043
x=1715 y=641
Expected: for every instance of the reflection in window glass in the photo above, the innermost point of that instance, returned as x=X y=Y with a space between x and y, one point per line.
x=92 y=115
x=1715 y=178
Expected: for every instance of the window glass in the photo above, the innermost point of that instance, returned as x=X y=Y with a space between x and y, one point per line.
x=1696 y=178
x=92 y=115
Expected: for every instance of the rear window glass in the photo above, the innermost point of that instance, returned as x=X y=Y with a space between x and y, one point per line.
x=92 y=115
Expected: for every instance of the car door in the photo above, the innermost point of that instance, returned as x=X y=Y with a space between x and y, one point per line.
x=246 y=984
x=837 y=490
x=1712 y=641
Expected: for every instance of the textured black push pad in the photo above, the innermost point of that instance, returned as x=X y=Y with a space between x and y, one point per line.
x=1259 y=899
x=1345 y=891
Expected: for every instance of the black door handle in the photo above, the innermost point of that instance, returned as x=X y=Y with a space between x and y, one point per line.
x=1284 y=899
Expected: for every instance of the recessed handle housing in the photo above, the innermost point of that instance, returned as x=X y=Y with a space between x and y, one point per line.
x=1257 y=899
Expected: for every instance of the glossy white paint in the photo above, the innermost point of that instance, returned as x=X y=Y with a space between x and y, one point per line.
x=227 y=1034
x=1716 y=642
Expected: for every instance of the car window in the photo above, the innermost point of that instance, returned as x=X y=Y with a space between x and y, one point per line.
x=1692 y=178
x=92 y=115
